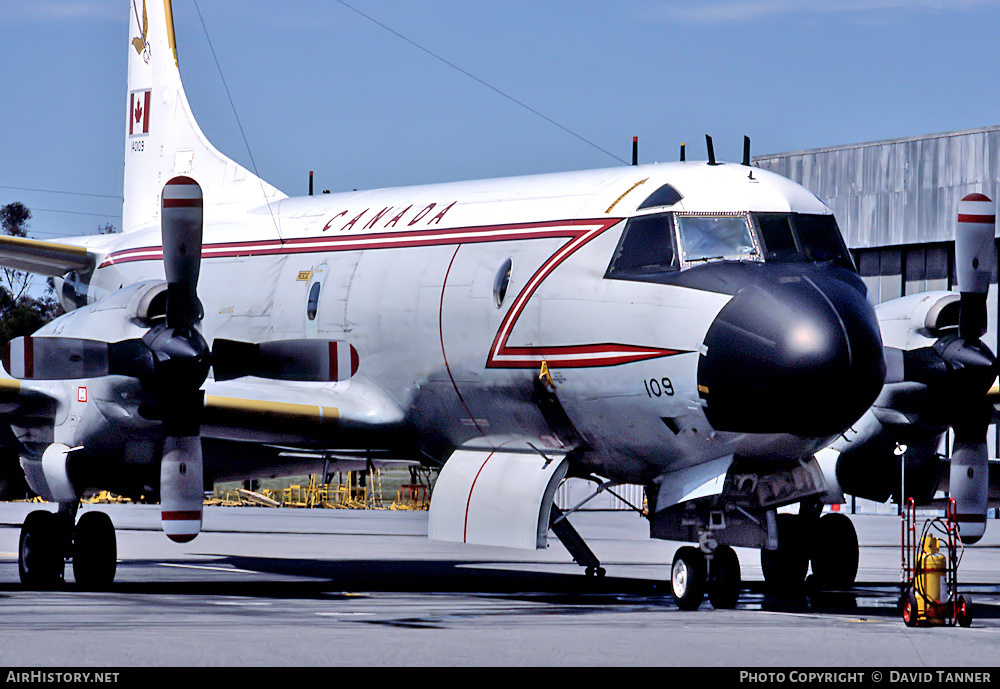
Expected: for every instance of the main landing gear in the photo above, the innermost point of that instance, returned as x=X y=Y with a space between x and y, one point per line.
x=828 y=542
x=48 y=539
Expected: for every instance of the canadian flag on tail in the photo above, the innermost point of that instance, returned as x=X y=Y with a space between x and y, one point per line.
x=138 y=120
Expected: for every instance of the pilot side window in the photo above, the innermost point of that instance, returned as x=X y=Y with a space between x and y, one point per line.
x=646 y=246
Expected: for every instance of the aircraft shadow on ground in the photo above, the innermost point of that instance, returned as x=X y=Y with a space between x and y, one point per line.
x=303 y=579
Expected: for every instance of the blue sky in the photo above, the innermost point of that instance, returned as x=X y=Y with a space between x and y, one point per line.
x=318 y=87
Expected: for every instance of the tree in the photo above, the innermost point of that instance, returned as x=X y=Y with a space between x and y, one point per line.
x=14 y=217
x=20 y=312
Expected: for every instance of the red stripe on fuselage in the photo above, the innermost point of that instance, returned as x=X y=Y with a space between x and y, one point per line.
x=379 y=240
x=578 y=233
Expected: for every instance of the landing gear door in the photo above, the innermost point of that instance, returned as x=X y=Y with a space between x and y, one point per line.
x=497 y=493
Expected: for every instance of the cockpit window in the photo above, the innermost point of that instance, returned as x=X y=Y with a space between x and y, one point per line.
x=664 y=196
x=776 y=236
x=646 y=246
x=707 y=237
x=802 y=237
x=661 y=242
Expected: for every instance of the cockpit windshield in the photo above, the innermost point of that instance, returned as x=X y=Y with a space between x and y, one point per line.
x=663 y=242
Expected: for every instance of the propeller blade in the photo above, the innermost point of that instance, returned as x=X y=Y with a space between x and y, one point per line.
x=55 y=358
x=181 y=487
x=180 y=362
x=969 y=486
x=181 y=228
x=299 y=360
x=975 y=258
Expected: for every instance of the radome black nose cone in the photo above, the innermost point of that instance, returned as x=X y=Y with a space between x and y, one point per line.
x=793 y=354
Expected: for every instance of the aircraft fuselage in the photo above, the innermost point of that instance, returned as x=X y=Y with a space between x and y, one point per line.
x=456 y=295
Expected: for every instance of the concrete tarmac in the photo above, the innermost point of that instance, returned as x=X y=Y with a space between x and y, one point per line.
x=263 y=587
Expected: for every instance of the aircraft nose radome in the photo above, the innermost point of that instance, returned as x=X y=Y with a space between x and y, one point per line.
x=800 y=355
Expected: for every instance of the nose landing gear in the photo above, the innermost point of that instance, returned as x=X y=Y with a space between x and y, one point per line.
x=696 y=572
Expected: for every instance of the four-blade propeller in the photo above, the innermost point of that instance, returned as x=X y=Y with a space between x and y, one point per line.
x=172 y=361
x=959 y=369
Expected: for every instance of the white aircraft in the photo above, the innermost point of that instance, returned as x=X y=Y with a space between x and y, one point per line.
x=697 y=328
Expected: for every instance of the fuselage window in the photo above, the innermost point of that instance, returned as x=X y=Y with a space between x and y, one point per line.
x=501 y=282
x=664 y=196
x=312 y=305
x=708 y=237
x=647 y=246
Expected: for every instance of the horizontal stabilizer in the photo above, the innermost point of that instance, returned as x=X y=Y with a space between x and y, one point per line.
x=43 y=258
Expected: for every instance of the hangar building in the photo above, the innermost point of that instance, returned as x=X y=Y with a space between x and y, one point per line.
x=896 y=202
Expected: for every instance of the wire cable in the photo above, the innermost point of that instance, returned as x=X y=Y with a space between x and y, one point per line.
x=73 y=193
x=238 y=123
x=480 y=81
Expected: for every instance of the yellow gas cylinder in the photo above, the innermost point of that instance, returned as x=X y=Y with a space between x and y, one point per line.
x=931 y=566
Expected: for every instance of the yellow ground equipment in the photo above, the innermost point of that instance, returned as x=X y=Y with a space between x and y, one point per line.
x=930 y=576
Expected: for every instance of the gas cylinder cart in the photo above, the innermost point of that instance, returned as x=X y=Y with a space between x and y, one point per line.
x=930 y=575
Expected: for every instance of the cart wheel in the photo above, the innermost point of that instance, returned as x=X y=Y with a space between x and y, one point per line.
x=963 y=611
x=910 y=609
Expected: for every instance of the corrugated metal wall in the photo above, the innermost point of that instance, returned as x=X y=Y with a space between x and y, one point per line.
x=899 y=191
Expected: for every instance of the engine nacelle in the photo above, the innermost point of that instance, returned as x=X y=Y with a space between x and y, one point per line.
x=917 y=320
x=124 y=314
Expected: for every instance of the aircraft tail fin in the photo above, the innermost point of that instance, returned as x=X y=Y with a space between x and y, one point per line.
x=162 y=138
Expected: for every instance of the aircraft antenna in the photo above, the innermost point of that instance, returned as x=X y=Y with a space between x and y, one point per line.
x=246 y=143
x=711 y=150
x=475 y=78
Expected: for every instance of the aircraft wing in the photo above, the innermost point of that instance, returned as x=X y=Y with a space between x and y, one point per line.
x=53 y=259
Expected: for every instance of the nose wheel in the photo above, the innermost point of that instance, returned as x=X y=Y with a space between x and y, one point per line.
x=692 y=575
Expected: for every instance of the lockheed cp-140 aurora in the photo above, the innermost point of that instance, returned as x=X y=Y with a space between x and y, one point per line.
x=697 y=328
